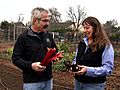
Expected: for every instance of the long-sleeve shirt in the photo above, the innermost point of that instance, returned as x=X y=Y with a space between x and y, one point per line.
x=107 y=62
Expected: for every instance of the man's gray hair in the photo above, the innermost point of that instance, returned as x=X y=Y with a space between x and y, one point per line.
x=36 y=13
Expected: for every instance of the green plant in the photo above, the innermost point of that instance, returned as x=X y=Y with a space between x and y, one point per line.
x=10 y=52
x=63 y=47
x=60 y=65
x=68 y=56
x=7 y=54
x=117 y=52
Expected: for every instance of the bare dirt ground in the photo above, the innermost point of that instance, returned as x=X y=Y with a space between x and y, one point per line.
x=11 y=78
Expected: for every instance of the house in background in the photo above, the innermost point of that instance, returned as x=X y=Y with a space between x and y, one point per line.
x=15 y=30
x=59 y=29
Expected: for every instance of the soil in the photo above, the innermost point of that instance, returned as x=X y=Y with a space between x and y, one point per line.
x=11 y=77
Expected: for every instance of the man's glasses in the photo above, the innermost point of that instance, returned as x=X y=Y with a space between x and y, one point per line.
x=43 y=20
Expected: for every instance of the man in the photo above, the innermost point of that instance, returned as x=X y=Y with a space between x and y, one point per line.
x=31 y=48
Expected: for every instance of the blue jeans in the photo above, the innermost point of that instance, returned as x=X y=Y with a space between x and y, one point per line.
x=44 y=85
x=88 y=86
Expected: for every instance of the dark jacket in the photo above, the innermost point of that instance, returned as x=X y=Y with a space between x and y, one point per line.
x=30 y=48
x=91 y=59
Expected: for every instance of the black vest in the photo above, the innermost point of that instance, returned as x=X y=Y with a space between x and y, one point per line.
x=92 y=59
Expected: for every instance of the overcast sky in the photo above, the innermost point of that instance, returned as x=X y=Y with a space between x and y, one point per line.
x=104 y=10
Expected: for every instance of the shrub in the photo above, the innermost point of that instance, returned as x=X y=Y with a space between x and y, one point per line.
x=68 y=56
x=117 y=52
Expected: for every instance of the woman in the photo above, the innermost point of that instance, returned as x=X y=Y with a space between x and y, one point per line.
x=94 y=56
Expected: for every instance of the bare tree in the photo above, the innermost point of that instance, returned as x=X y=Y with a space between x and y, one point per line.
x=55 y=15
x=55 y=18
x=76 y=16
x=113 y=30
x=111 y=26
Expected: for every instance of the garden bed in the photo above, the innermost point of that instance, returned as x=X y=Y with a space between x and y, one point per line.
x=11 y=78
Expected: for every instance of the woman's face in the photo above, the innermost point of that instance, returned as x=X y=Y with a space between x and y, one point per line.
x=88 y=30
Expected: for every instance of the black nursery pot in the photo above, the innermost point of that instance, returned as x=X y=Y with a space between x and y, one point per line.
x=74 y=68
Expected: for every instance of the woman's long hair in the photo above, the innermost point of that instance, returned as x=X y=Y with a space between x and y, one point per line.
x=100 y=38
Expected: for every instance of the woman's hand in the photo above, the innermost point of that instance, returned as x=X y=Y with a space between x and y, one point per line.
x=82 y=70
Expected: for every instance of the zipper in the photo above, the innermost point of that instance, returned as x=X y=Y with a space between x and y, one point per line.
x=85 y=52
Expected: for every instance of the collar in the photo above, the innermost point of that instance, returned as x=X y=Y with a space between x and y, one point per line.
x=30 y=32
x=85 y=41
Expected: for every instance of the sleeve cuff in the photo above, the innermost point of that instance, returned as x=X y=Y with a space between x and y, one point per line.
x=90 y=71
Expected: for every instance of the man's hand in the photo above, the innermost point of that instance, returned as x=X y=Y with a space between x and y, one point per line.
x=37 y=67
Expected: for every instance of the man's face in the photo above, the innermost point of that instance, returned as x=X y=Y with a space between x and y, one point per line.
x=43 y=22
